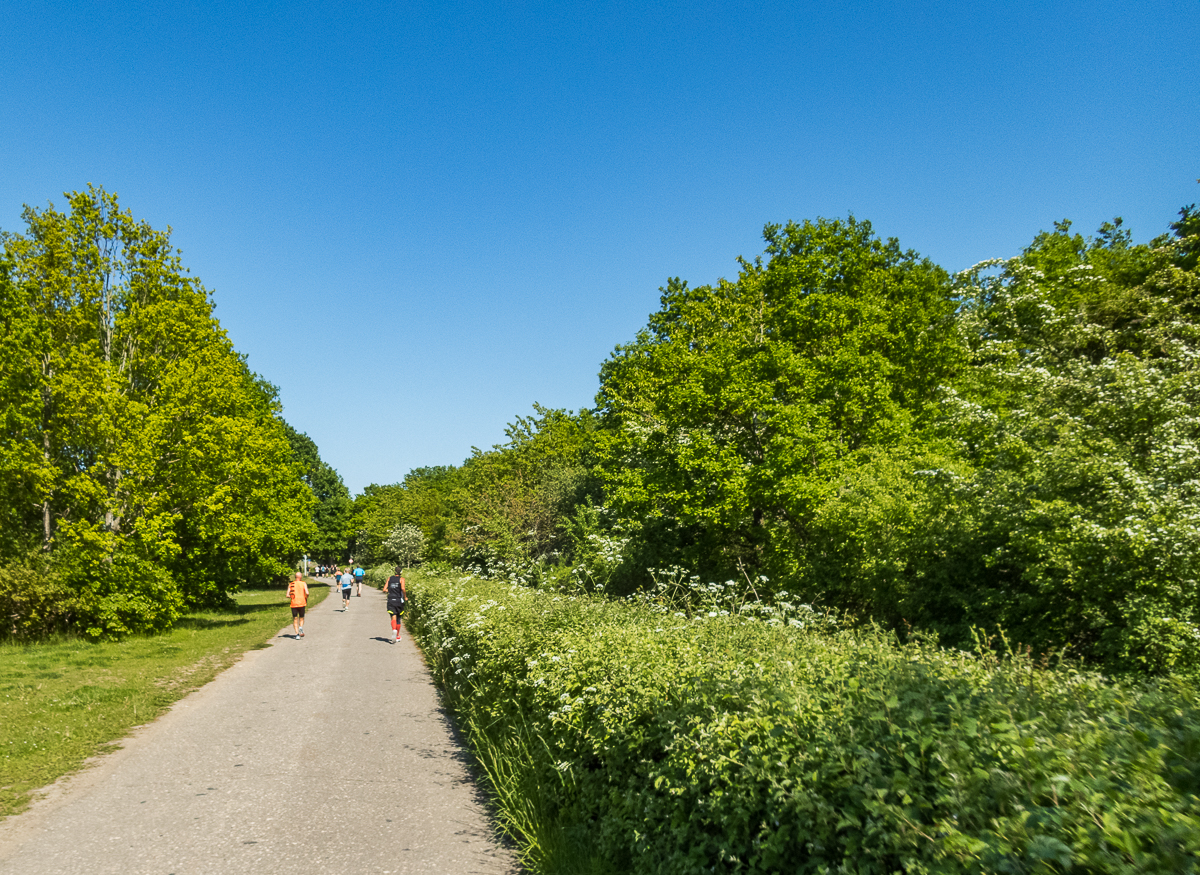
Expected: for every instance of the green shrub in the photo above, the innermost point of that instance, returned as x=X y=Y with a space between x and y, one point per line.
x=640 y=740
x=99 y=599
x=377 y=575
x=35 y=602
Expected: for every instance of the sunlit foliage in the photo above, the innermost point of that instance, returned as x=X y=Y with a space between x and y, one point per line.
x=143 y=467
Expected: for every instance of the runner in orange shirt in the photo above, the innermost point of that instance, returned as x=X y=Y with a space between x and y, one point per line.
x=298 y=593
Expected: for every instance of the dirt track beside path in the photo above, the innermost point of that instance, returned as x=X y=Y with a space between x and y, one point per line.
x=328 y=754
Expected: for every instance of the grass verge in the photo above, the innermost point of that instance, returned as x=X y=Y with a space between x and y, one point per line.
x=62 y=702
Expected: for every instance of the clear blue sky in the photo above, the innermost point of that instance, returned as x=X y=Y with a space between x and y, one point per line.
x=419 y=218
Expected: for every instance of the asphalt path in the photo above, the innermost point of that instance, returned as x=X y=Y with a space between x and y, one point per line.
x=327 y=754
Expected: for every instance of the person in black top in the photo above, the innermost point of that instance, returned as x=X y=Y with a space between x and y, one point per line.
x=396 y=597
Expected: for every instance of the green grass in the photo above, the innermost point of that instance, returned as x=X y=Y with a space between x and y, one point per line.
x=64 y=701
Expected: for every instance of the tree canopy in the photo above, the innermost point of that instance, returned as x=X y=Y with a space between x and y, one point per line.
x=733 y=414
x=845 y=423
x=332 y=521
x=141 y=461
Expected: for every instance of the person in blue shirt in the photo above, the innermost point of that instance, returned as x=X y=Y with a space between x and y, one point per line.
x=346 y=581
x=358 y=576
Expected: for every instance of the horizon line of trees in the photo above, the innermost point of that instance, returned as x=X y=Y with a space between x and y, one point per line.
x=846 y=423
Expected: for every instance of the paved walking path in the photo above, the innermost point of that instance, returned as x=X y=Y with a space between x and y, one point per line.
x=322 y=755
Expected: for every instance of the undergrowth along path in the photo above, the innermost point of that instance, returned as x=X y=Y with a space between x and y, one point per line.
x=656 y=736
x=327 y=754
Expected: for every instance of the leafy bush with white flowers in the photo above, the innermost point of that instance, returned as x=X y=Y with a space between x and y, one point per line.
x=1078 y=520
x=405 y=544
x=634 y=736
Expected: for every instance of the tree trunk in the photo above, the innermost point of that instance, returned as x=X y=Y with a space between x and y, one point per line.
x=46 y=502
x=47 y=408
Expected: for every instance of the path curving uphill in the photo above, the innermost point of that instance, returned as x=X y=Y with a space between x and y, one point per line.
x=328 y=754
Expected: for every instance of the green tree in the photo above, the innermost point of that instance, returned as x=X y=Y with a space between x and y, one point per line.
x=1076 y=523
x=519 y=496
x=24 y=462
x=430 y=498
x=505 y=509
x=425 y=499
x=332 y=516
x=405 y=544
x=1187 y=233
x=138 y=449
x=737 y=411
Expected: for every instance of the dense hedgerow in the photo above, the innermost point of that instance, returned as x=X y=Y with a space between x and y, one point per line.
x=644 y=741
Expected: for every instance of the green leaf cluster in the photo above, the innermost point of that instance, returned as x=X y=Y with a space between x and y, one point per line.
x=735 y=417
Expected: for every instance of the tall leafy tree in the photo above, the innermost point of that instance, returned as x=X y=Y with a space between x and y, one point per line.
x=429 y=498
x=1077 y=523
x=734 y=414
x=504 y=508
x=138 y=448
x=519 y=495
x=24 y=459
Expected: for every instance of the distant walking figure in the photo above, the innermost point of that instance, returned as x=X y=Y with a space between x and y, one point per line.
x=298 y=593
x=358 y=576
x=396 y=597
